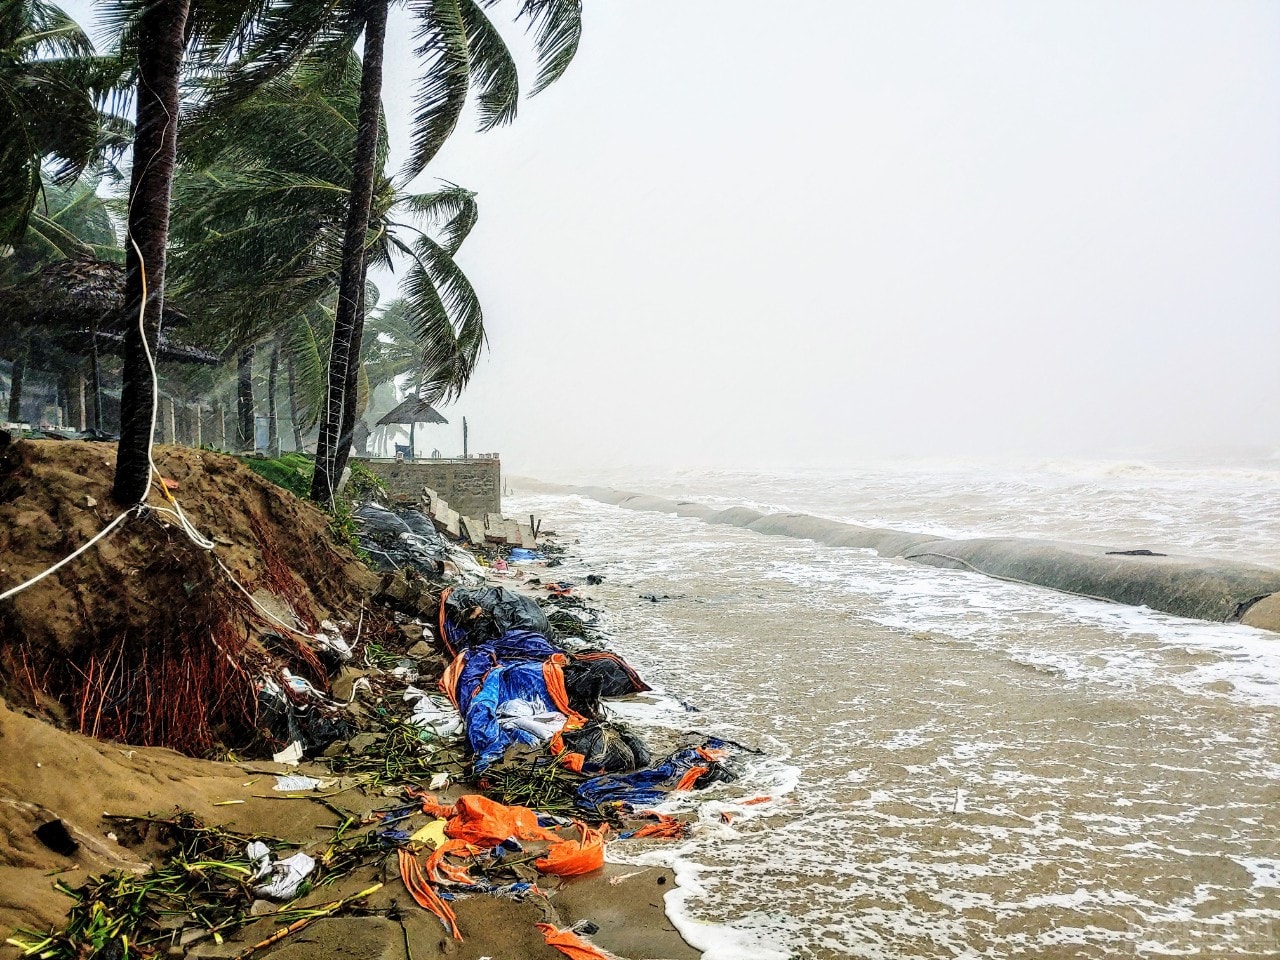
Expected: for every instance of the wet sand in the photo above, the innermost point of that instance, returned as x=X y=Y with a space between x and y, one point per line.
x=47 y=773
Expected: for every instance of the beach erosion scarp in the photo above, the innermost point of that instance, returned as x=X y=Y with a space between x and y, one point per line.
x=146 y=612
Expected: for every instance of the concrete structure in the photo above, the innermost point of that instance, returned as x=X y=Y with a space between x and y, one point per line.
x=472 y=487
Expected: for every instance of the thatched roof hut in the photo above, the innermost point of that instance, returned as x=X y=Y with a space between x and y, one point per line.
x=72 y=302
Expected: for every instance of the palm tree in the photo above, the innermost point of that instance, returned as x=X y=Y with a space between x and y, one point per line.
x=460 y=47
x=260 y=204
x=463 y=54
x=160 y=39
x=52 y=86
x=155 y=34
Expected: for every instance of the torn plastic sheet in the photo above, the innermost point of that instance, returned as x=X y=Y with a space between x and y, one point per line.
x=297 y=782
x=292 y=754
x=433 y=712
x=283 y=878
x=330 y=644
x=531 y=716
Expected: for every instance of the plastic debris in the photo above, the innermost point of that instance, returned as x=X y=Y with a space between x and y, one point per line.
x=434 y=713
x=570 y=944
x=283 y=878
x=432 y=833
x=297 y=782
x=292 y=754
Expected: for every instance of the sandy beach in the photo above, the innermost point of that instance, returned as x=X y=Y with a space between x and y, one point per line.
x=94 y=787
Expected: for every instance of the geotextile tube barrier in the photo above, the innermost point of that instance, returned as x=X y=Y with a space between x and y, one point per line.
x=1225 y=591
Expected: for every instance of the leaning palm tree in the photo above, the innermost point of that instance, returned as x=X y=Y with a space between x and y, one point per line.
x=54 y=111
x=463 y=54
x=260 y=205
x=154 y=36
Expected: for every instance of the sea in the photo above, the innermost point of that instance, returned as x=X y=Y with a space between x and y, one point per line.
x=954 y=766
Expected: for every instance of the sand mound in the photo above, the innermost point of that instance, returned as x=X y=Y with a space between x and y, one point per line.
x=144 y=639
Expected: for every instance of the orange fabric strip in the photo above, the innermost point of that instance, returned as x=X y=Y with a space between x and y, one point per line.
x=691 y=777
x=444 y=634
x=424 y=895
x=570 y=944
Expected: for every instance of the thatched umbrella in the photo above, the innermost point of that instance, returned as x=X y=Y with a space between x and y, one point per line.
x=413 y=411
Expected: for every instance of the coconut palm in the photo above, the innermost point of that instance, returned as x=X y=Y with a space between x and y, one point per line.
x=463 y=55
x=54 y=107
x=260 y=203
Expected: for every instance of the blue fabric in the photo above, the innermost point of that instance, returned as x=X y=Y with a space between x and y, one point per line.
x=522 y=680
x=513 y=646
x=644 y=788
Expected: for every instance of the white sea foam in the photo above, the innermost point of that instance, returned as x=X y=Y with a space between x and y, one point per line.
x=1117 y=765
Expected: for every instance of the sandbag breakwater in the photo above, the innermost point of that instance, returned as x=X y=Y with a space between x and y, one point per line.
x=1224 y=591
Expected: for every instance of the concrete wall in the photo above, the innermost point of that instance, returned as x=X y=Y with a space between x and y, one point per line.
x=473 y=487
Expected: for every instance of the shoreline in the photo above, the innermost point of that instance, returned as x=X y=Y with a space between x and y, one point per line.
x=1219 y=591
x=108 y=794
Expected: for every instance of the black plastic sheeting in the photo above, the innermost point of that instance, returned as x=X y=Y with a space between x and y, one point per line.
x=486 y=613
x=309 y=724
x=608 y=748
x=396 y=539
x=594 y=675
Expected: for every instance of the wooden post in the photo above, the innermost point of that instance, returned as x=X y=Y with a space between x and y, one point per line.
x=171 y=419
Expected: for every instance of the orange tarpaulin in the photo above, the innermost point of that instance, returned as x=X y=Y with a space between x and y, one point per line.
x=570 y=944
x=477 y=823
x=666 y=828
x=424 y=895
x=568 y=858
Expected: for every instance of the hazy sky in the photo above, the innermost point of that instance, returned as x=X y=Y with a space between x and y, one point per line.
x=878 y=228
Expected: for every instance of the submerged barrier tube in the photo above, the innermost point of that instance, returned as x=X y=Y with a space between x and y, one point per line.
x=1225 y=591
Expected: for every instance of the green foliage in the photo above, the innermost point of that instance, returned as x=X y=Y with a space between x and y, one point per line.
x=343 y=526
x=363 y=483
x=52 y=90
x=67 y=221
x=292 y=471
x=204 y=884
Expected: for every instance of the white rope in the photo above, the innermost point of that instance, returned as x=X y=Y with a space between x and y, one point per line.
x=67 y=559
x=154 y=475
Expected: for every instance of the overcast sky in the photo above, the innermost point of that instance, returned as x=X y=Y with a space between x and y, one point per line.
x=903 y=228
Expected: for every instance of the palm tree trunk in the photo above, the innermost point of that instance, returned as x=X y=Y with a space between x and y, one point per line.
x=170 y=419
x=246 y=435
x=350 y=399
x=95 y=378
x=348 y=327
x=293 y=402
x=273 y=424
x=160 y=43
x=16 y=378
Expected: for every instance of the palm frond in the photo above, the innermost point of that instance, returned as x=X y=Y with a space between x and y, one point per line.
x=557 y=29
x=447 y=319
x=452 y=209
x=493 y=70
x=442 y=92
